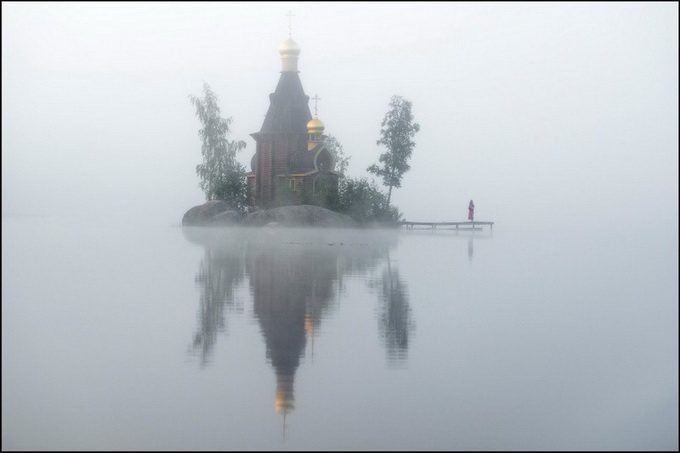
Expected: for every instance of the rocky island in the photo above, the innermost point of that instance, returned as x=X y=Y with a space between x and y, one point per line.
x=220 y=213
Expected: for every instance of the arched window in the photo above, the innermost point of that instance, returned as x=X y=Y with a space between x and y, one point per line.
x=323 y=161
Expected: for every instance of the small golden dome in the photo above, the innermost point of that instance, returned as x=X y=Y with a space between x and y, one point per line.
x=289 y=47
x=315 y=125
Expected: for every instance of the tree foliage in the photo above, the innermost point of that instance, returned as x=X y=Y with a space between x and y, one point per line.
x=341 y=161
x=222 y=176
x=362 y=200
x=358 y=198
x=396 y=134
x=325 y=193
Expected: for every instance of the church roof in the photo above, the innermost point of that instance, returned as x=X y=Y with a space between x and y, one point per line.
x=289 y=109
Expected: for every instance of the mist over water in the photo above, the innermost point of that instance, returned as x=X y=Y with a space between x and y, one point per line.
x=121 y=337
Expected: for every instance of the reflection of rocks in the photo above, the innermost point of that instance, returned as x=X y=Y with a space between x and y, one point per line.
x=219 y=213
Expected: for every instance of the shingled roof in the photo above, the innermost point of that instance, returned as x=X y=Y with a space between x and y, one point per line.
x=289 y=109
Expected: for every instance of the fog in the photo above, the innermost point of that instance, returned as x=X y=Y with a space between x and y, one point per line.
x=548 y=115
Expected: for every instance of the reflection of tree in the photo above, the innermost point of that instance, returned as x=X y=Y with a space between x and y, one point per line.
x=394 y=314
x=220 y=272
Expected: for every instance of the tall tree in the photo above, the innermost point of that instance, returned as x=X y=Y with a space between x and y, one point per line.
x=222 y=176
x=396 y=134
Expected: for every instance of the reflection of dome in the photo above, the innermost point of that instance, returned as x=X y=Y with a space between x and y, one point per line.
x=283 y=401
x=309 y=325
x=289 y=47
x=315 y=125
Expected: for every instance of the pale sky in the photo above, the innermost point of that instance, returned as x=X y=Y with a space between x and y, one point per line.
x=545 y=114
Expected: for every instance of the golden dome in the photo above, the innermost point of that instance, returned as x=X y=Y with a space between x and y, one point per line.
x=315 y=125
x=289 y=47
x=290 y=52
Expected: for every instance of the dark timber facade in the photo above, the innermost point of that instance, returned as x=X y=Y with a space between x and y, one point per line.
x=291 y=164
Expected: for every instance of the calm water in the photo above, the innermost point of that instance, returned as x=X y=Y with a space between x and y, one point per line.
x=157 y=337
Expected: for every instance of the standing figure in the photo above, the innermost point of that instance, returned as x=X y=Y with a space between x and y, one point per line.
x=471 y=211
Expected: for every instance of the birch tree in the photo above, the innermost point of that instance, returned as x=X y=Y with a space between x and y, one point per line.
x=222 y=176
x=396 y=134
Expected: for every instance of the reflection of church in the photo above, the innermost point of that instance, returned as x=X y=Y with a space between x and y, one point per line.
x=291 y=164
x=292 y=286
x=294 y=277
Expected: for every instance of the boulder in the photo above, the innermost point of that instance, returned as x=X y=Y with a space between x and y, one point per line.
x=212 y=213
x=219 y=213
x=301 y=215
x=226 y=218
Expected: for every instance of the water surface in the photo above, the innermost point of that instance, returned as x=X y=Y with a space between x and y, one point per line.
x=157 y=337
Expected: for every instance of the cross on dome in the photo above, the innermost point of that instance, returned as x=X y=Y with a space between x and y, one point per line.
x=316 y=100
x=290 y=20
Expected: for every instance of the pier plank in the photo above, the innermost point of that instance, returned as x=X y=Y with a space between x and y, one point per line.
x=469 y=225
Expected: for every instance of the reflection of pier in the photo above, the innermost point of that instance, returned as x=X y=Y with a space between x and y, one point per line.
x=472 y=225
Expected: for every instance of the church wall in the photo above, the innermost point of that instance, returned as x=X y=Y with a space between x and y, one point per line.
x=308 y=195
x=252 y=190
x=265 y=176
x=298 y=185
x=281 y=152
x=283 y=146
x=289 y=190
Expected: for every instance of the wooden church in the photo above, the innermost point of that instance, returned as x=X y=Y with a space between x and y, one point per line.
x=291 y=165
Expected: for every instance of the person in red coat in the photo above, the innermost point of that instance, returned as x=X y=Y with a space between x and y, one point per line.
x=471 y=211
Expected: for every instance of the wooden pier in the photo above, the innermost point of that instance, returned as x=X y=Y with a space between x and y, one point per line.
x=470 y=225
